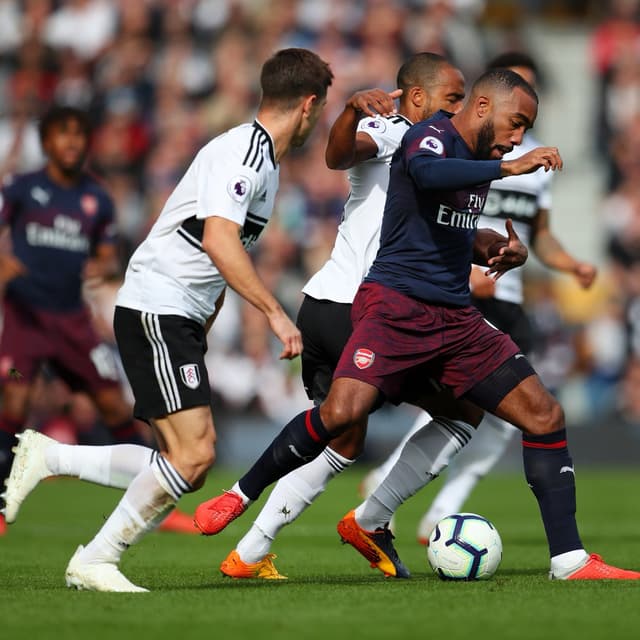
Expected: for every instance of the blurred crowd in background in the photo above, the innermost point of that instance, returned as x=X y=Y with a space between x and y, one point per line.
x=162 y=77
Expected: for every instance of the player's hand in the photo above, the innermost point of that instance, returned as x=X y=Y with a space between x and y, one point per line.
x=10 y=268
x=287 y=332
x=481 y=287
x=374 y=102
x=585 y=274
x=513 y=253
x=546 y=157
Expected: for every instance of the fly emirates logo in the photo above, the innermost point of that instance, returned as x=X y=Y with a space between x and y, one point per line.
x=450 y=217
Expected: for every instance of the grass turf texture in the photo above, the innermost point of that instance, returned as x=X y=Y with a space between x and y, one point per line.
x=331 y=592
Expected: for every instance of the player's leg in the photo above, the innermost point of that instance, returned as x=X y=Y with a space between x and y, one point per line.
x=515 y=393
x=466 y=469
x=302 y=439
x=152 y=347
x=23 y=347
x=425 y=454
x=190 y=438
x=379 y=473
x=296 y=491
x=91 y=365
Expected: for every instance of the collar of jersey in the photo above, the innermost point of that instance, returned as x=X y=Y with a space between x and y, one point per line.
x=272 y=151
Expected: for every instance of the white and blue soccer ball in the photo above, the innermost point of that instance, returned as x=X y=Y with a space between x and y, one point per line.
x=464 y=546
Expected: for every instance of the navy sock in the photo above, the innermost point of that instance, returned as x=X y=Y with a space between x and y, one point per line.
x=299 y=442
x=549 y=472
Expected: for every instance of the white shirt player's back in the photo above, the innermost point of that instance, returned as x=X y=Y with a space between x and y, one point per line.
x=358 y=235
x=518 y=198
x=234 y=176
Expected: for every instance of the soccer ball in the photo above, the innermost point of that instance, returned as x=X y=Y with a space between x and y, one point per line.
x=464 y=546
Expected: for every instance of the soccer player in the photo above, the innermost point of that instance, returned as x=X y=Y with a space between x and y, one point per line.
x=413 y=317
x=362 y=141
x=173 y=287
x=61 y=228
x=60 y=224
x=527 y=200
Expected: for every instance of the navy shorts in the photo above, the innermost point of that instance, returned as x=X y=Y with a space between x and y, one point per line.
x=66 y=341
x=163 y=357
x=398 y=343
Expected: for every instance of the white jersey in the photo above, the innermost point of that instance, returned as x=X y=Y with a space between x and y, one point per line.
x=518 y=198
x=358 y=235
x=235 y=176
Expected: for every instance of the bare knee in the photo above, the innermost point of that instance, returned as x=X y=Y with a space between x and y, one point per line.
x=347 y=405
x=546 y=419
x=339 y=417
x=350 y=443
x=195 y=460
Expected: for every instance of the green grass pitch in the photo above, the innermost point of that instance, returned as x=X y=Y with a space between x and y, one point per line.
x=331 y=592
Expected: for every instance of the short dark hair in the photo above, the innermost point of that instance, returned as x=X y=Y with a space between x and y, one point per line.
x=294 y=73
x=420 y=70
x=514 y=59
x=503 y=80
x=61 y=113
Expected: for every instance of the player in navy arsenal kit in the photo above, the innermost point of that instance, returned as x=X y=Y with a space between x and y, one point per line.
x=413 y=319
x=526 y=199
x=61 y=227
x=174 y=286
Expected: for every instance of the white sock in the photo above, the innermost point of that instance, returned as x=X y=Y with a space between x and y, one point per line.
x=465 y=470
x=110 y=466
x=245 y=500
x=423 y=457
x=290 y=497
x=565 y=563
x=151 y=495
x=422 y=419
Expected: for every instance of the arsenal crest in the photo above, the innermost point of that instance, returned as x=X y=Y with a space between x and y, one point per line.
x=89 y=204
x=190 y=375
x=363 y=358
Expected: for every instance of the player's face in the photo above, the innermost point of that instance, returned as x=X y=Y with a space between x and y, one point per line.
x=66 y=145
x=308 y=123
x=512 y=115
x=446 y=93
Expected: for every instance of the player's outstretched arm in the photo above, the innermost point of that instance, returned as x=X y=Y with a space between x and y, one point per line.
x=221 y=241
x=547 y=158
x=347 y=146
x=552 y=254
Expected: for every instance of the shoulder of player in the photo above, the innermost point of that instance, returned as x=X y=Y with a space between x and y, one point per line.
x=26 y=178
x=380 y=124
x=438 y=126
x=245 y=146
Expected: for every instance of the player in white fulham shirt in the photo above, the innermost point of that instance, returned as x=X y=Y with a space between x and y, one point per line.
x=173 y=288
x=362 y=141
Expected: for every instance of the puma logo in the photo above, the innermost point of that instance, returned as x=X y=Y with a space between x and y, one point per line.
x=567 y=470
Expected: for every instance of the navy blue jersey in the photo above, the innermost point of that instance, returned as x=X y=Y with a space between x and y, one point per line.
x=53 y=231
x=435 y=196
